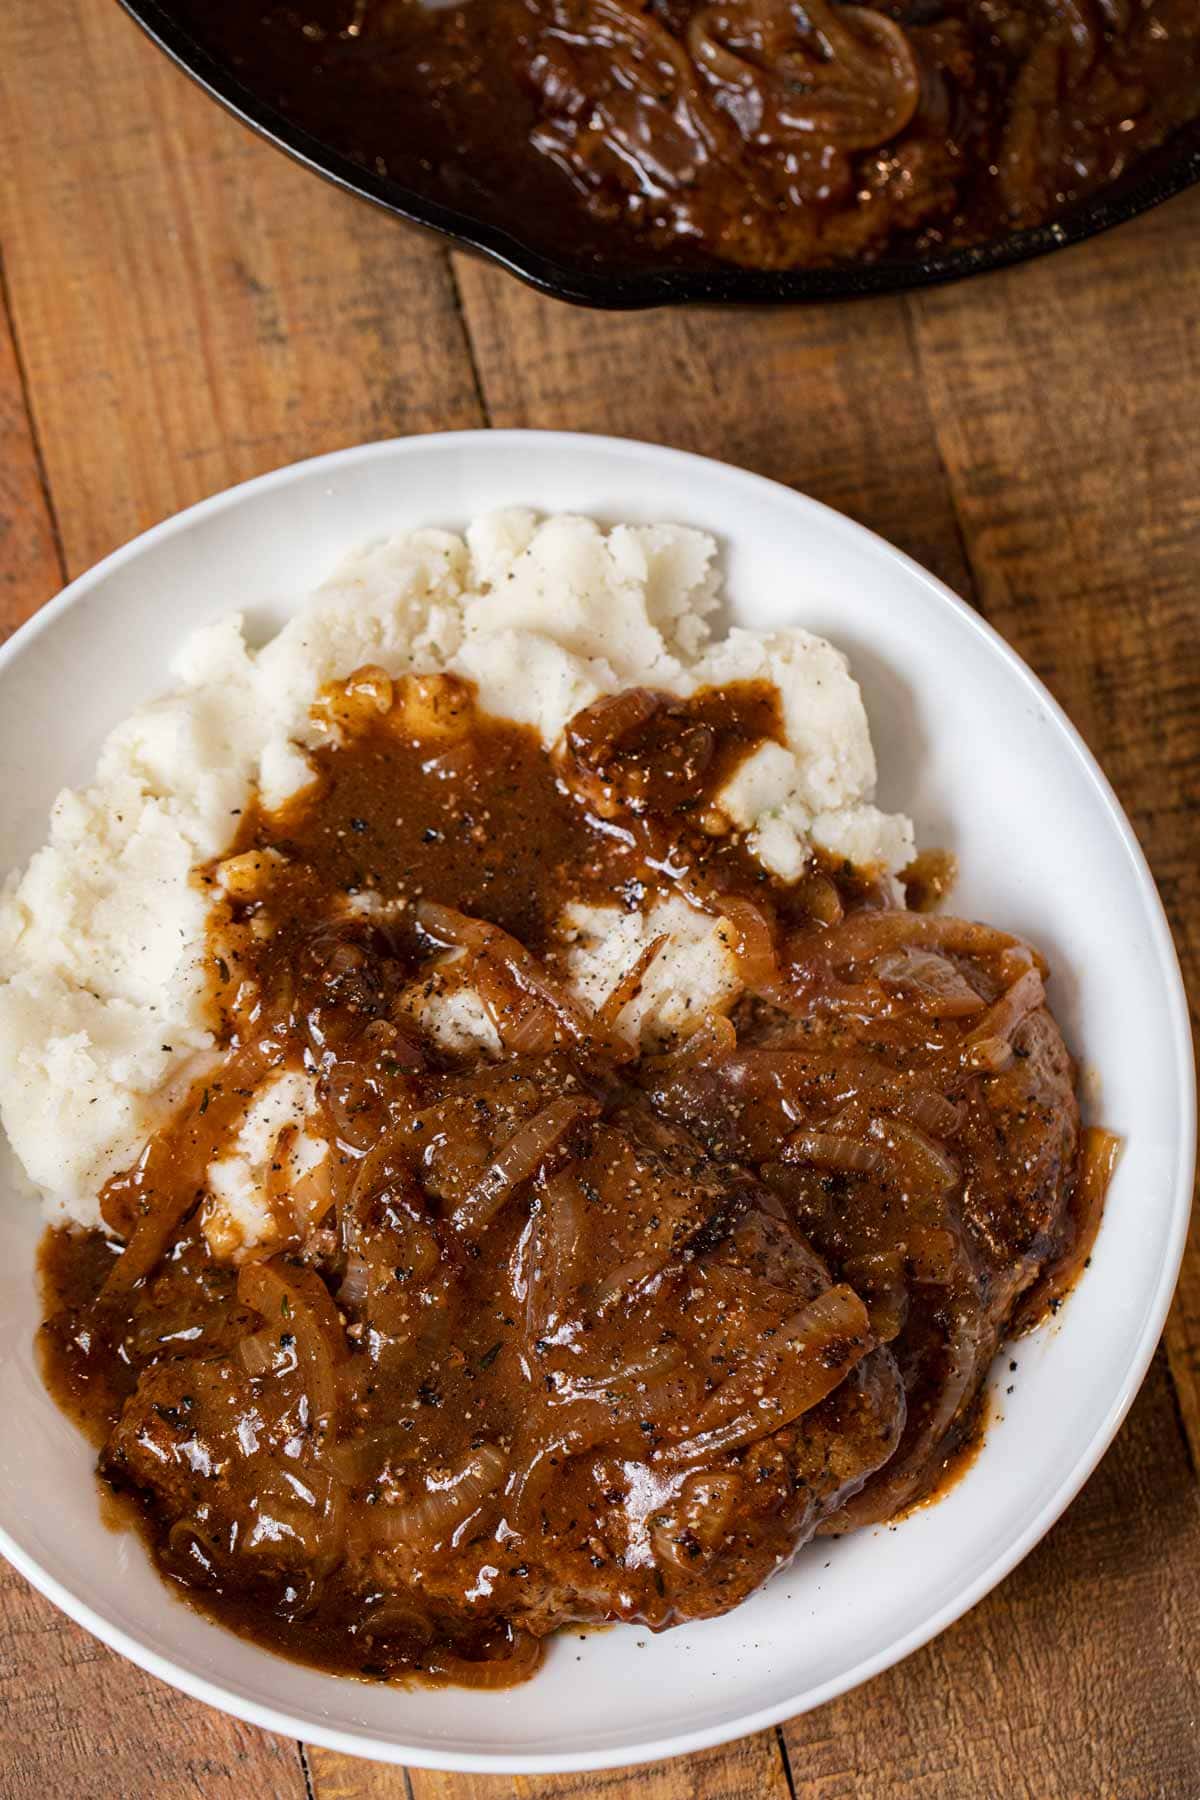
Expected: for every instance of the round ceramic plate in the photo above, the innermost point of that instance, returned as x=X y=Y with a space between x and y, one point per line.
x=974 y=748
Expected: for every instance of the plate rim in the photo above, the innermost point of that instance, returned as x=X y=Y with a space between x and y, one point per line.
x=312 y=1730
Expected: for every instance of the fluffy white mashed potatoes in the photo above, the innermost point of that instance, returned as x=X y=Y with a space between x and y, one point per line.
x=103 y=1011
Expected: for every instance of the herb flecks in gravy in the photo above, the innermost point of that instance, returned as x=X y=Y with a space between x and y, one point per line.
x=563 y=1332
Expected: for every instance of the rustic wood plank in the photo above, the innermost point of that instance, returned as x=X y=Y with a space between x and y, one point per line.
x=77 y=1722
x=1076 y=1676
x=192 y=308
x=750 y=1770
x=30 y=570
x=1066 y=400
x=829 y=399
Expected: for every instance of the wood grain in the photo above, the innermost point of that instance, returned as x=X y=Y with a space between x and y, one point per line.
x=750 y=1770
x=30 y=570
x=828 y=400
x=192 y=309
x=77 y=1722
x=1078 y=495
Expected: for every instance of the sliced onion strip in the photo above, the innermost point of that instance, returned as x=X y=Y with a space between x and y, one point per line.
x=998 y=1024
x=829 y=1151
x=446 y=925
x=522 y=1661
x=450 y=1497
x=817 y=1346
x=257 y=1352
x=933 y=1167
x=865 y=935
x=519 y=1158
x=296 y=1300
x=755 y=945
x=629 y=986
x=930 y=982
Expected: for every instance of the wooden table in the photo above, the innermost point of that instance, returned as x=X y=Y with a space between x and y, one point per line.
x=186 y=309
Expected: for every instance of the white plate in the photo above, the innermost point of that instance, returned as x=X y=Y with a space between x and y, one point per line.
x=976 y=750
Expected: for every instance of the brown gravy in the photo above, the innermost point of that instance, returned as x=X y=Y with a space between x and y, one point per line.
x=761 y=132
x=564 y=1335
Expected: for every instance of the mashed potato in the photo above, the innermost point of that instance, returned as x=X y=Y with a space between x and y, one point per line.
x=103 y=985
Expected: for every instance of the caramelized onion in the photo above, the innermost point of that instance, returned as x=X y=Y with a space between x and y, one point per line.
x=931 y=982
x=702 y=1515
x=806 y=1359
x=918 y=1155
x=1098 y=1164
x=755 y=946
x=829 y=1151
x=360 y=1460
x=302 y=1507
x=356 y=1282
x=879 y=1277
x=629 y=986
x=935 y=1254
x=593 y=734
x=642 y=68
x=900 y=1480
x=257 y=1352
x=1099 y=1153
x=928 y=879
x=713 y=1040
x=987 y=1056
x=866 y=935
x=822 y=901
x=556 y=1235
x=446 y=925
x=624 y=1281
x=525 y=1023
x=934 y=1113
x=521 y=1157
x=850 y=80
x=450 y=1497
x=998 y=1024
x=353 y=1099
x=151 y=1235
x=193 y=1551
x=521 y=1661
x=392 y=1615
x=311 y=1193
x=624 y=1387
x=296 y=1300
x=507 y=958
x=813 y=1077
x=158 y=1191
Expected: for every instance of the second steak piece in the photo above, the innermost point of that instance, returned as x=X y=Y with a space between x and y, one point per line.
x=907 y=1096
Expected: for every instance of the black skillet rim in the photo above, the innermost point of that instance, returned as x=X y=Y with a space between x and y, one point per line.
x=1159 y=176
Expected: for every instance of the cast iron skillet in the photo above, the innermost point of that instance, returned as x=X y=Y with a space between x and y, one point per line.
x=1156 y=177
